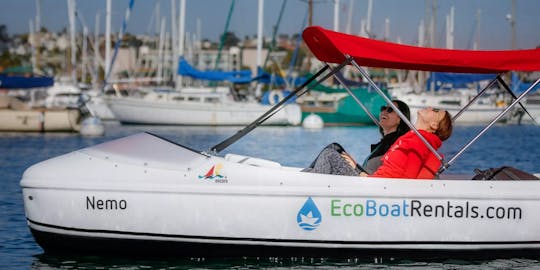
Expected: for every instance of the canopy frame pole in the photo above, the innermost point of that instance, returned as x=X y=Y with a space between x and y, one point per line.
x=503 y=83
x=501 y=114
x=299 y=91
x=396 y=109
x=477 y=96
x=373 y=118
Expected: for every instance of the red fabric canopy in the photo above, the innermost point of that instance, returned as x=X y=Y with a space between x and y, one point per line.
x=330 y=46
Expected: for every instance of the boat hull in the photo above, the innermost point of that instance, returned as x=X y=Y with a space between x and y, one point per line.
x=39 y=120
x=480 y=112
x=139 y=111
x=340 y=109
x=62 y=243
x=142 y=189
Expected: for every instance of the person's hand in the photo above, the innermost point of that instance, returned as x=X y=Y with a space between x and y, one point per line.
x=364 y=174
x=349 y=159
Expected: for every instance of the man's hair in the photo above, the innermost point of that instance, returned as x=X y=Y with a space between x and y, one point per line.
x=445 y=127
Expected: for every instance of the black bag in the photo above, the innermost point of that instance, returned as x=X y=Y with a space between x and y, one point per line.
x=503 y=173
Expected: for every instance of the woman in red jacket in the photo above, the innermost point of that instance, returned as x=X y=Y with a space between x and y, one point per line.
x=409 y=157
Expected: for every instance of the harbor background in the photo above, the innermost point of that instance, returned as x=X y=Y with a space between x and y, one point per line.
x=513 y=145
x=47 y=38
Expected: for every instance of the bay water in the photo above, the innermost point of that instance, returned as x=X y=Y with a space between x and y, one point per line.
x=513 y=145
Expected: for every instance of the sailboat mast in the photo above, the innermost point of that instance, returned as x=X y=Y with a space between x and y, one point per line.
x=433 y=26
x=181 y=42
x=32 y=40
x=450 y=29
x=348 y=29
x=513 y=24
x=96 y=53
x=222 y=41
x=108 y=38
x=260 y=20
x=84 y=60
x=161 y=44
x=336 y=15
x=310 y=12
x=37 y=34
x=386 y=29
x=476 y=44
x=71 y=10
x=174 y=40
x=368 y=19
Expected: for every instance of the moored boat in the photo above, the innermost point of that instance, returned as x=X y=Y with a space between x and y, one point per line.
x=338 y=108
x=451 y=92
x=481 y=112
x=195 y=106
x=56 y=112
x=39 y=120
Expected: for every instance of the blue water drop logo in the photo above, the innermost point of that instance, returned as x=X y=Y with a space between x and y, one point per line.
x=309 y=217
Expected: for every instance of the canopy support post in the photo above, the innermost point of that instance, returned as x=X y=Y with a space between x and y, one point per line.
x=299 y=91
x=373 y=118
x=501 y=114
x=503 y=83
x=396 y=109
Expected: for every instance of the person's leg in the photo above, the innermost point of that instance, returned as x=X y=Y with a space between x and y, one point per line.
x=330 y=161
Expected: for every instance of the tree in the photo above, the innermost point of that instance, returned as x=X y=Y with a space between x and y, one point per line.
x=4 y=38
x=130 y=40
x=230 y=39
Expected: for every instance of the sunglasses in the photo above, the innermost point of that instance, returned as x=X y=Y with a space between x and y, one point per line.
x=388 y=109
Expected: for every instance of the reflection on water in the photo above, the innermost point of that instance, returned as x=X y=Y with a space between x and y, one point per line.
x=95 y=262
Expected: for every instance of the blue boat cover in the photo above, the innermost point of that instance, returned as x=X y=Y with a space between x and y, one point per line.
x=23 y=82
x=519 y=86
x=456 y=80
x=267 y=78
x=185 y=69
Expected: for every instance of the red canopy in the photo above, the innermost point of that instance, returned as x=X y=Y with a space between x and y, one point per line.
x=330 y=46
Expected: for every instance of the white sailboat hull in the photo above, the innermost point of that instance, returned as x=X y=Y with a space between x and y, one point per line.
x=141 y=111
x=142 y=189
x=470 y=117
x=480 y=112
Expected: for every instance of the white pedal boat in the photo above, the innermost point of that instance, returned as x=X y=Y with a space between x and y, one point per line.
x=142 y=189
x=144 y=194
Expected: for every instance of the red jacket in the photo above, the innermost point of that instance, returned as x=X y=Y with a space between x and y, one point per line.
x=410 y=158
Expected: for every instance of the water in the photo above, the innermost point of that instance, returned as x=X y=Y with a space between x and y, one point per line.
x=292 y=146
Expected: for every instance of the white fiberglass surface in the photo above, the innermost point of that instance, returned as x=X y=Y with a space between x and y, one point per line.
x=145 y=149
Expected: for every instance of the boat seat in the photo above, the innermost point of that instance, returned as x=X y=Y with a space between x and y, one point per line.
x=258 y=162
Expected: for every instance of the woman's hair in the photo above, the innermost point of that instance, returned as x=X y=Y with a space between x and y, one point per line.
x=445 y=127
x=402 y=127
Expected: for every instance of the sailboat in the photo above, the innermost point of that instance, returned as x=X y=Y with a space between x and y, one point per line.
x=214 y=106
x=189 y=105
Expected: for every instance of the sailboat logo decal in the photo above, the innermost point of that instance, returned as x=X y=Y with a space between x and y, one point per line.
x=309 y=217
x=213 y=173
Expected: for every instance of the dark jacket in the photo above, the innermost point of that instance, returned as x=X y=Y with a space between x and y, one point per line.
x=373 y=161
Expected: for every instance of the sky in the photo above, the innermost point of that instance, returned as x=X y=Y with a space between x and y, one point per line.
x=404 y=15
